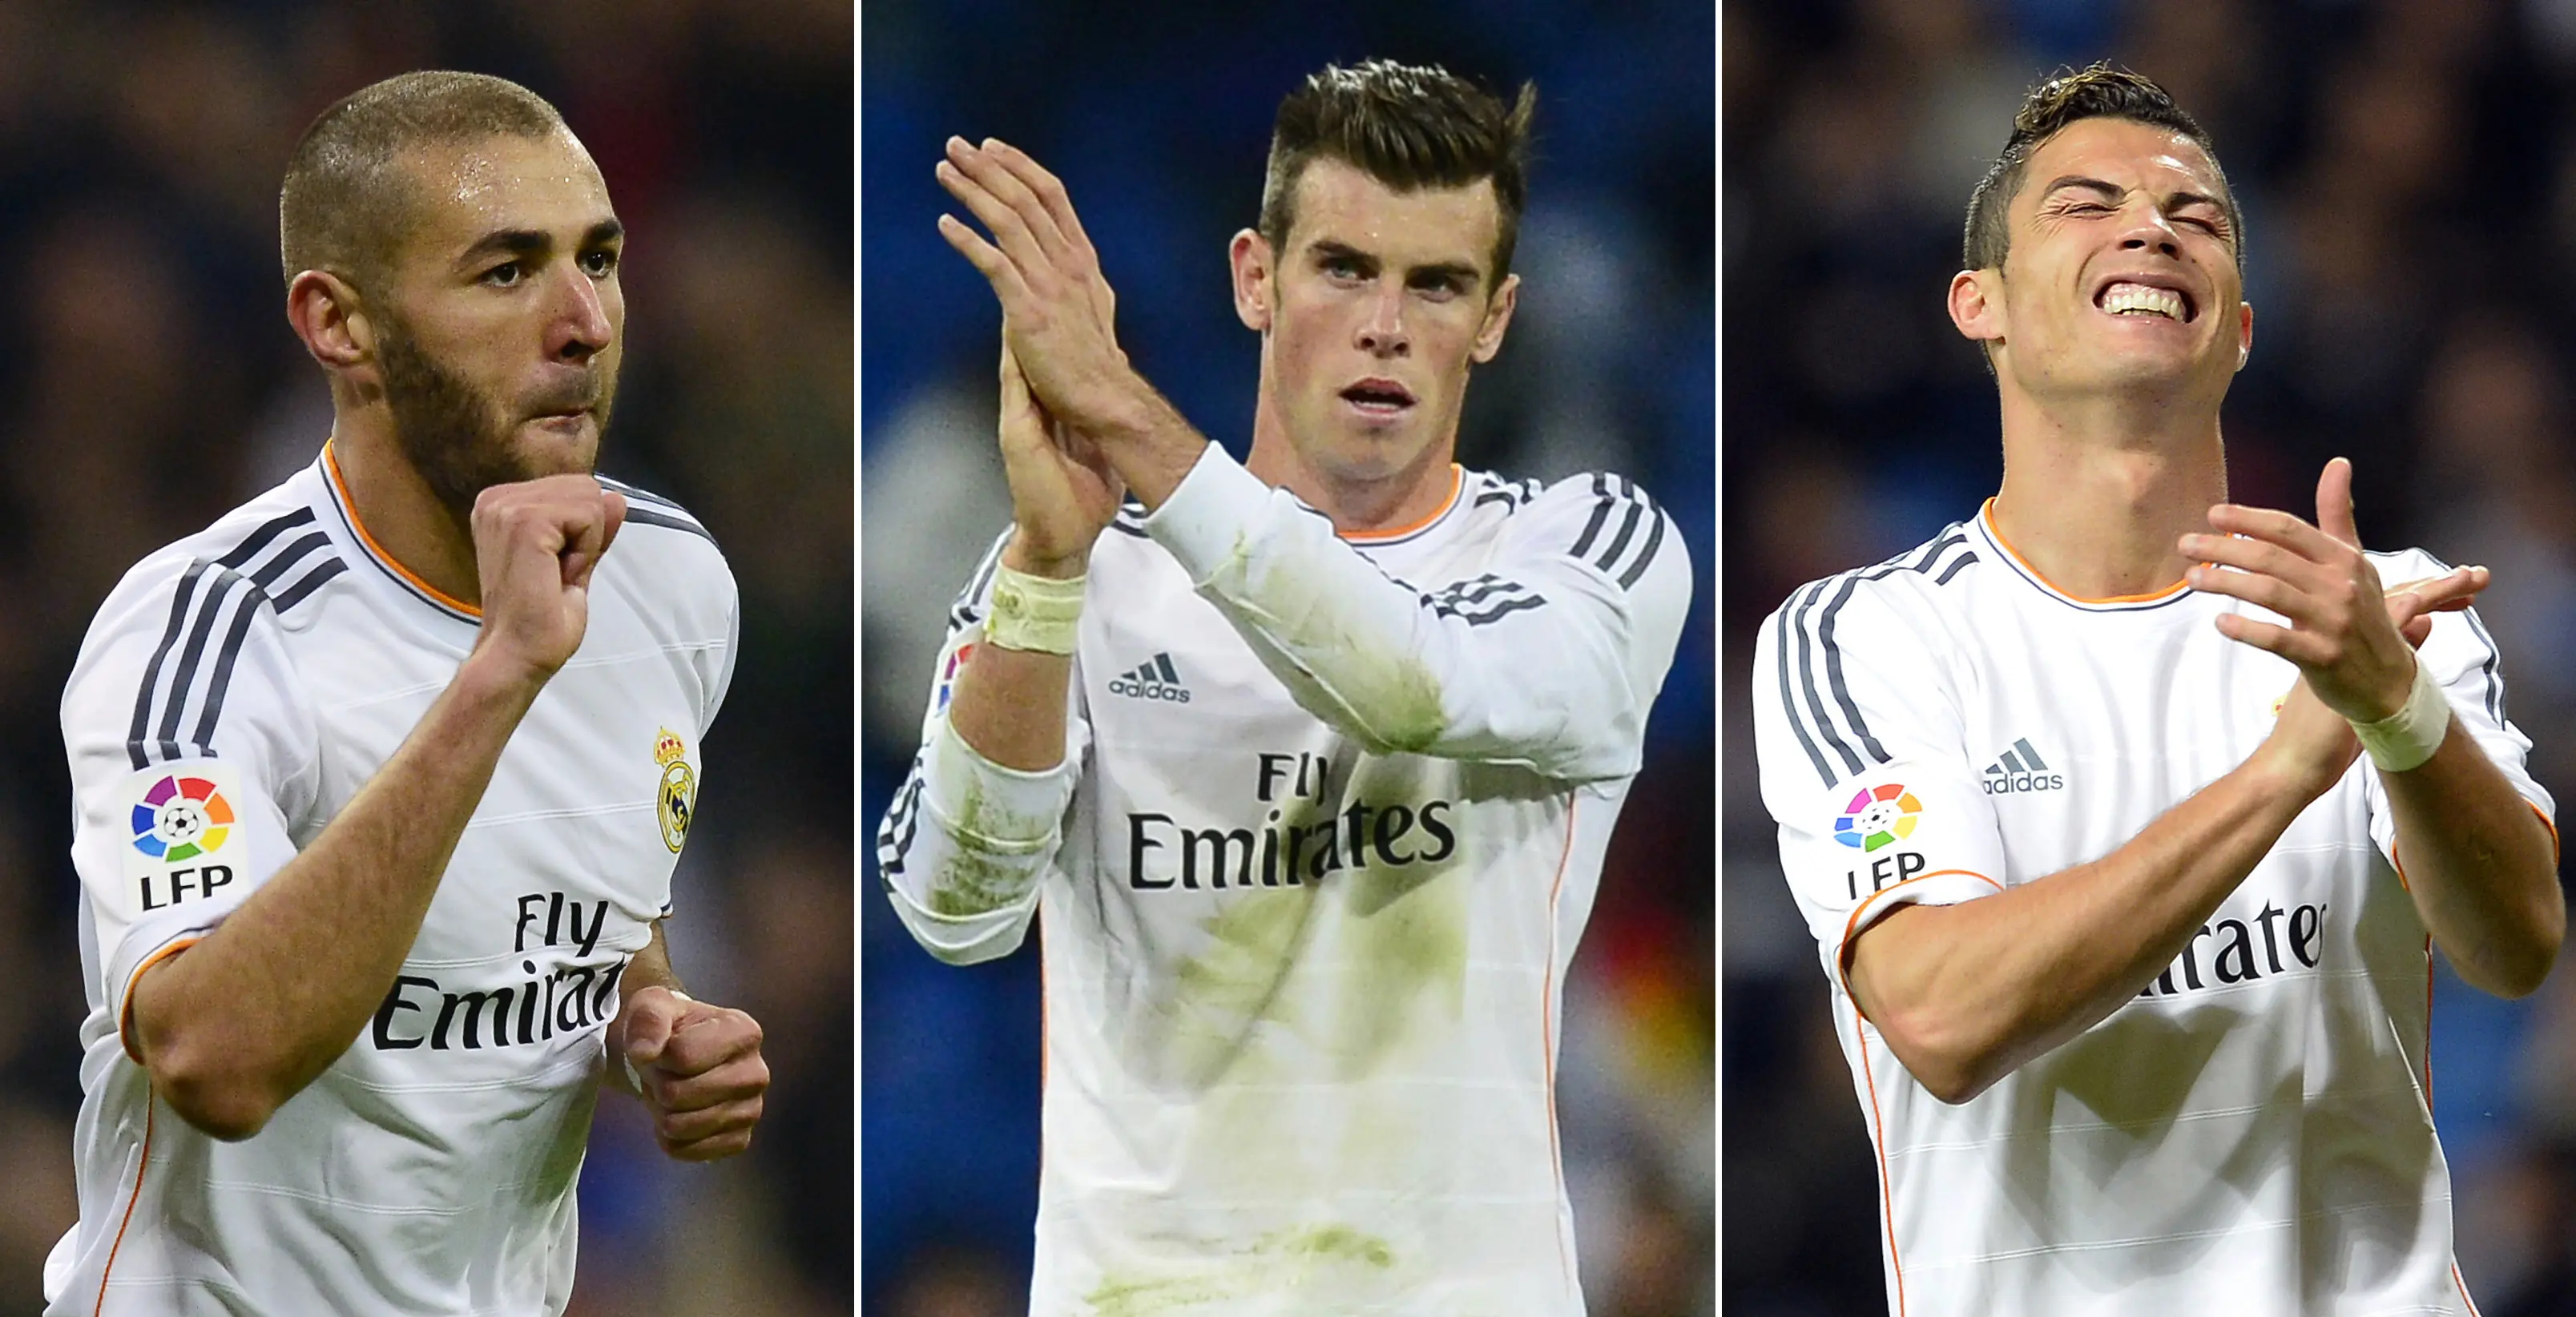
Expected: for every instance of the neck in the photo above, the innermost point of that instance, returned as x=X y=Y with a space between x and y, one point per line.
x=2097 y=489
x=1358 y=503
x=396 y=508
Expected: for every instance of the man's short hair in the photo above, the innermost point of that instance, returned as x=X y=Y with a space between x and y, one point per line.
x=2097 y=92
x=1408 y=127
x=347 y=201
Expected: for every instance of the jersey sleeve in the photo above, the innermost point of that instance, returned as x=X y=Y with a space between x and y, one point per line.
x=2465 y=661
x=193 y=762
x=966 y=843
x=1551 y=658
x=1861 y=747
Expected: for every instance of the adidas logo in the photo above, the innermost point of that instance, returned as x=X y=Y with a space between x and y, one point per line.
x=1153 y=679
x=2020 y=769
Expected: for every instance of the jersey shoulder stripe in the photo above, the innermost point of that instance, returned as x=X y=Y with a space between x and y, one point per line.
x=1808 y=655
x=646 y=508
x=212 y=608
x=1487 y=598
x=2489 y=680
x=1513 y=495
x=1624 y=532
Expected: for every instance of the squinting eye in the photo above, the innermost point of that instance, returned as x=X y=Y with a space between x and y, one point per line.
x=503 y=275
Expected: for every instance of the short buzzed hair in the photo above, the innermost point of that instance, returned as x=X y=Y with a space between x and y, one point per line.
x=1407 y=127
x=2096 y=92
x=346 y=200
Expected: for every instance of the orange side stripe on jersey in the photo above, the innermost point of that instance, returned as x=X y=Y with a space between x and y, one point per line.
x=125 y=1010
x=1878 y=1137
x=1457 y=485
x=142 y=1167
x=1843 y=969
x=331 y=462
x=1987 y=513
x=1546 y=1044
x=2464 y=1290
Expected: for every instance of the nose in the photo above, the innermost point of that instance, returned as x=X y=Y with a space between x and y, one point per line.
x=580 y=328
x=2148 y=231
x=1383 y=333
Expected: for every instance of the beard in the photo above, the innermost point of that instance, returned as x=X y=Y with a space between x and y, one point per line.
x=459 y=439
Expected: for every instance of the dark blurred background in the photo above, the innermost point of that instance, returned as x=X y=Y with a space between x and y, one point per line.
x=149 y=382
x=1157 y=115
x=2408 y=175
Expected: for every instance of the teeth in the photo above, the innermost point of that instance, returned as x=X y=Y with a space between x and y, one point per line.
x=2139 y=299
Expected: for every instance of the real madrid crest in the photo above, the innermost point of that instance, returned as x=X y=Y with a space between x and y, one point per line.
x=679 y=796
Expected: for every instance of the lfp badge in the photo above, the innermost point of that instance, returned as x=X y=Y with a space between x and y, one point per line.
x=181 y=818
x=1877 y=817
x=679 y=795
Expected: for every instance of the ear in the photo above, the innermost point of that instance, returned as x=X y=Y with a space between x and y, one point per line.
x=327 y=314
x=1975 y=308
x=1498 y=318
x=1254 y=279
x=2244 y=333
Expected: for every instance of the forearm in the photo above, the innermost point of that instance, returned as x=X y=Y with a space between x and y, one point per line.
x=253 y=1012
x=2481 y=865
x=1009 y=705
x=1146 y=439
x=1534 y=661
x=1967 y=993
x=967 y=843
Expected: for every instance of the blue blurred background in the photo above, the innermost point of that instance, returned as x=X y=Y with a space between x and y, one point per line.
x=2408 y=174
x=1157 y=116
x=149 y=382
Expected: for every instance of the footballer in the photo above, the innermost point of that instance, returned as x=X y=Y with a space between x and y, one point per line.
x=380 y=778
x=2126 y=818
x=1304 y=765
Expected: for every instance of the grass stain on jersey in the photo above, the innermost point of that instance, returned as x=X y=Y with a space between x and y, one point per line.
x=1392 y=700
x=1290 y=1261
x=972 y=883
x=1229 y=991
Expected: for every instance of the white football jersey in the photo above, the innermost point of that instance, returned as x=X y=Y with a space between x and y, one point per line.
x=233 y=693
x=1330 y=822
x=2252 y=1134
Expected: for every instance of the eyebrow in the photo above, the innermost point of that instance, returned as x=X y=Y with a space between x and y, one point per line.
x=532 y=242
x=2173 y=201
x=1467 y=275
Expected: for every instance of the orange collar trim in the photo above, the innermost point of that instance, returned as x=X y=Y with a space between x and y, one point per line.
x=340 y=487
x=1457 y=486
x=1986 y=514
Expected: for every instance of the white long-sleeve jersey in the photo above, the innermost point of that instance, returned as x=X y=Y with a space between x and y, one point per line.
x=1330 y=819
x=234 y=692
x=2252 y=1134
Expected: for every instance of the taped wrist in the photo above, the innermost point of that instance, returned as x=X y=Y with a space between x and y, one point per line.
x=2408 y=737
x=1033 y=613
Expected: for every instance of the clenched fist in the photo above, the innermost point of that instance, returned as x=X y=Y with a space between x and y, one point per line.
x=536 y=543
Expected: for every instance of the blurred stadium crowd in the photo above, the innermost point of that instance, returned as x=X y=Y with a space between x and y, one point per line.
x=1157 y=116
x=148 y=383
x=2408 y=173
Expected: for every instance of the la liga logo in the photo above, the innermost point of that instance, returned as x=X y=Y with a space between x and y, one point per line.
x=182 y=818
x=1878 y=816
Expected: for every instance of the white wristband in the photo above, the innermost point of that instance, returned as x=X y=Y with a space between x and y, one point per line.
x=2408 y=737
x=1033 y=613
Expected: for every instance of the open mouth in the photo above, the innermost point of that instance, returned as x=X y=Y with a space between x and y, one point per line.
x=2129 y=297
x=1378 y=397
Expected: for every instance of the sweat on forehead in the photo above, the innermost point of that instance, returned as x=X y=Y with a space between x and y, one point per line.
x=353 y=181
